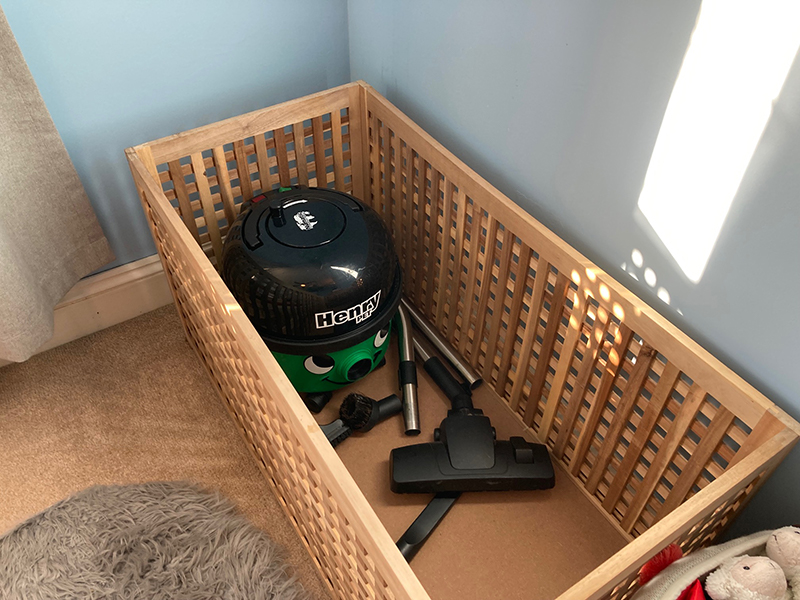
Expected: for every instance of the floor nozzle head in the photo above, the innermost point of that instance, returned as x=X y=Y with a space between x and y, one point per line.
x=466 y=458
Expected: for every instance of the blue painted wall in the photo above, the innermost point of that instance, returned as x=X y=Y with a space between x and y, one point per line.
x=115 y=74
x=558 y=104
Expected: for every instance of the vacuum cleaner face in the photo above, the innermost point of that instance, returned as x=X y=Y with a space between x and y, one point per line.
x=316 y=272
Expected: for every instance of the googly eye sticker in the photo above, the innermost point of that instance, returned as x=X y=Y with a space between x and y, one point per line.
x=319 y=365
x=380 y=337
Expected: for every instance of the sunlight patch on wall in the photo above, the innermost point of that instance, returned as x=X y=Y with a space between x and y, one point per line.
x=637 y=266
x=735 y=66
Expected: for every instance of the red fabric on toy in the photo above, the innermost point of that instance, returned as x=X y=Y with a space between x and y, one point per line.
x=693 y=592
x=659 y=562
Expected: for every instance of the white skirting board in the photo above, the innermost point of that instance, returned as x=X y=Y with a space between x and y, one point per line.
x=108 y=298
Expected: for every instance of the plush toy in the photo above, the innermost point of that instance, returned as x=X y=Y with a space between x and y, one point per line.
x=783 y=546
x=748 y=578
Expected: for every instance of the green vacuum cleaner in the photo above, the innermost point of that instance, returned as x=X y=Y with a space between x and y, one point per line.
x=316 y=272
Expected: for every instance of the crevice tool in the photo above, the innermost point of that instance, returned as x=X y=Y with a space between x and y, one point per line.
x=423 y=526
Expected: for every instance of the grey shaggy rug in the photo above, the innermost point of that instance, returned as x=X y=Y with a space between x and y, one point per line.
x=165 y=541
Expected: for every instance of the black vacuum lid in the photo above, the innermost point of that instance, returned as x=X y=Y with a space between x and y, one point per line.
x=312 y=268
x=302 y=222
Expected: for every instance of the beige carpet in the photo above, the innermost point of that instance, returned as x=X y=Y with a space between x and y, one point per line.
x=129 y=404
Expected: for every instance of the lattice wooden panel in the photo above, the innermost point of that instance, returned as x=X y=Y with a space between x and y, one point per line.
x=703 y=532
x=200 y=175
x=303 y=492
x=701 y=535
x=207 y=187
x=633 y=429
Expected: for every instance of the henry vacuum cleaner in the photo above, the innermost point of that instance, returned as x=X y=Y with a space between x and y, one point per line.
x=316 y=272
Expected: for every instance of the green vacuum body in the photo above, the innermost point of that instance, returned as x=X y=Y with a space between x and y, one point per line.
x=316 y=272
x=329 y=372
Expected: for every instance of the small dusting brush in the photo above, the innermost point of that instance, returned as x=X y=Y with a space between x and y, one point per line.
x=360 y=413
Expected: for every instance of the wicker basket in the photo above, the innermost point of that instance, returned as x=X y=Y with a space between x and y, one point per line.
x=665 y=442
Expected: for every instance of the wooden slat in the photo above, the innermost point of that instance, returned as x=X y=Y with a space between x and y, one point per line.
x=476 y=232
x=666 y=451
x=386 y=164
x=298 y=132
x=766 y=428
x=375 y=174
x=700 y=457
x=490 y=248
x=319 y=152
x=548 y=341
x=458 y=254
x=594 y=344
x=281 y=155
x=243 y=170
x=338 y=161
x=521 y=283
x=618 y=424
x=574 y=328
x=430 y=265
x=443 y=296
x=499 y=303
x=248 y=125
x=262 y=156
x=185 y=205
x=397 y=201
x=531 y=326
x=401 y=243
x=208 y=205
x=658 y=400
x=410 y=240
x=423 y=228
x=384 y=168
x=224 y=183
x=359 y=143
x=146 y=156
x=621 y=342
x=386 y=179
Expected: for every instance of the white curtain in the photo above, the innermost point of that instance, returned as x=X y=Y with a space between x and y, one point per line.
x=49 y=234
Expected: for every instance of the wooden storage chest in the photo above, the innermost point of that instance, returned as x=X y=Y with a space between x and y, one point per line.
x=656 y=441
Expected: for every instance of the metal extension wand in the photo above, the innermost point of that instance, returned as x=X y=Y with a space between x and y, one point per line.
x=408 y=374
x=467 y=372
